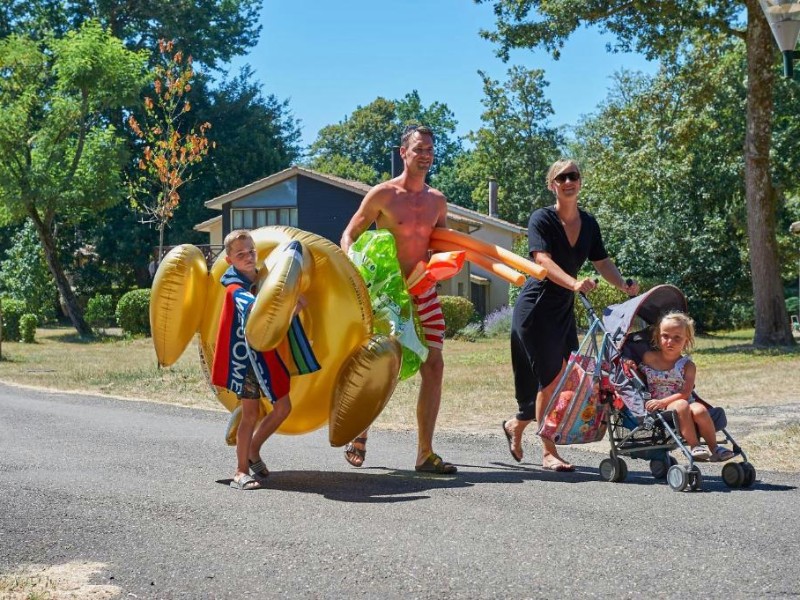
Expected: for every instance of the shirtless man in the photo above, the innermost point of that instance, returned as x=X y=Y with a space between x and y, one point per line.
x=410 y=210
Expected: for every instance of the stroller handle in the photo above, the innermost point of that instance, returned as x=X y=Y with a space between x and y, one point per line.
x=588 y=305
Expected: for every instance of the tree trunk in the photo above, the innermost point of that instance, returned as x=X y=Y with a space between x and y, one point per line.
x=772 y=320
x=74 y=311
x=160 y=243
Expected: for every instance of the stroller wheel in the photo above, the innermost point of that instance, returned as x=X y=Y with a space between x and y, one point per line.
x=749 y=474
x=678 y=477
x=623 y=471
x=613 y=469
x=695 y=478
x=659 y=466
x=733 y=475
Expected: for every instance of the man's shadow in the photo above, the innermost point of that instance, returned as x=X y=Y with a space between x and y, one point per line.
x=376 y=484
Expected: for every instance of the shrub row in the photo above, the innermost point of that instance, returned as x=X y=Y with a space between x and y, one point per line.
x=132 y=313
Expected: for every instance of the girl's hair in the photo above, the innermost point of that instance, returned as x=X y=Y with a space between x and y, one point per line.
x=236 y=234
x=677 y=317
x=557 y=167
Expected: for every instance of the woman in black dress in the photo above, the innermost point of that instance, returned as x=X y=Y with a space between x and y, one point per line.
x=543 y=331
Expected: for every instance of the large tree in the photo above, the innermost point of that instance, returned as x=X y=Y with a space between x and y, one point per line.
x=59 y=156
x=663 y=175
x=515 y=144
x=659 y=30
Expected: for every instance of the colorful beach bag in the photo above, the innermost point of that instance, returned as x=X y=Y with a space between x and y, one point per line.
x=575 y=413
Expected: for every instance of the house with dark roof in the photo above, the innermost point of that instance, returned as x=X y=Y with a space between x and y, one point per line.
x=323 y=204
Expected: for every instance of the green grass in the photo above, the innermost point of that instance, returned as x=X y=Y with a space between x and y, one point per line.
x=477 y=394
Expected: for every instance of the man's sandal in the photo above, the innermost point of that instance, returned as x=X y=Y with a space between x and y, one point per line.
x=355 y=456
x=435 y=464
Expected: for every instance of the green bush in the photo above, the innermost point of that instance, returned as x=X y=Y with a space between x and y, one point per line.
x=458 y=312
x=27 y=327
x=792 y=305
x=24 y=275
x=100 y=311
x=12 y=313
x=602 y=296
x=133 y=312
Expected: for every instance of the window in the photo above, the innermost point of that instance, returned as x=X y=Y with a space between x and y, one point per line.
x=250 y=218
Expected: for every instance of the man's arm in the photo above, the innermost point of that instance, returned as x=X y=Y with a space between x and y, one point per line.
x=365 y=216
x=442 y=220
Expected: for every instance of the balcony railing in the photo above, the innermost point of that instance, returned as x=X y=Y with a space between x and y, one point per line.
x=211 y=252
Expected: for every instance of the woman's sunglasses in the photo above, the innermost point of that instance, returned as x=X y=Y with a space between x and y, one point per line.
x=571 y=176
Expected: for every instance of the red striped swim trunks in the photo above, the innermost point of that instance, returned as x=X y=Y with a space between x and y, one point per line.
x=431 y=317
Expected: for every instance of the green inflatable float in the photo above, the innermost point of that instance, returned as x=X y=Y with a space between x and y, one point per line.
x=375 y=256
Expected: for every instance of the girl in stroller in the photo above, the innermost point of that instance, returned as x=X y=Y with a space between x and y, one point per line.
x=670 y=376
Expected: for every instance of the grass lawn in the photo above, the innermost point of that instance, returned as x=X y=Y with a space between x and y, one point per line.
x=478 y=388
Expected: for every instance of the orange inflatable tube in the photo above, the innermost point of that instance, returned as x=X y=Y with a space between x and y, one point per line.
x=488 y=263
x=497 y=253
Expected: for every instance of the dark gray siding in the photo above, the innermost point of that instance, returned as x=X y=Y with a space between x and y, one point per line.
x=324 y=209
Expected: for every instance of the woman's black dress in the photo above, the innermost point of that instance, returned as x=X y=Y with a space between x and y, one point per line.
x=543 y=329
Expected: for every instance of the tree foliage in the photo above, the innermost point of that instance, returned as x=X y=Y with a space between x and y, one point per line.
x=366 y=138
x=212 y=31
x=254 y=135
x=59 y=155
x=667 y=30
x=515 y=144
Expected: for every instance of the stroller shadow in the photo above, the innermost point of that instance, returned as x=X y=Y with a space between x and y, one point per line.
x=711 y=483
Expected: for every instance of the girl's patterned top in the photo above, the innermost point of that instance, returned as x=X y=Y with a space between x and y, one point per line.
x=665 y=383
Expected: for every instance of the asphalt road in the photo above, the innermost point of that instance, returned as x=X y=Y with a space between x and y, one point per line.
x=143 y=489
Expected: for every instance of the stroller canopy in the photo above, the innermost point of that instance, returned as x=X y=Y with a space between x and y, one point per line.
x=648 y=306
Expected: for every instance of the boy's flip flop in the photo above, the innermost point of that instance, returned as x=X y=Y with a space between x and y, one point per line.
x=435 y=464
x=245 y=482
x=259 y=469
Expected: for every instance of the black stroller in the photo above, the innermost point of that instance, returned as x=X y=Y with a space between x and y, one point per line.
x=614 y=396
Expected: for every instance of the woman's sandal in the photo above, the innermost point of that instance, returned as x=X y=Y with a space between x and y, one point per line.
x=355 y=456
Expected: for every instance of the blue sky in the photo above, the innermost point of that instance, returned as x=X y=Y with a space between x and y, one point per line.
x=327 y=58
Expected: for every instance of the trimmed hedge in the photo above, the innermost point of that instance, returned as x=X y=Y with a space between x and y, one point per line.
x=100 y=311
x=12 y=313
x=133 y=312
x=458 y=312
x=27 y=327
